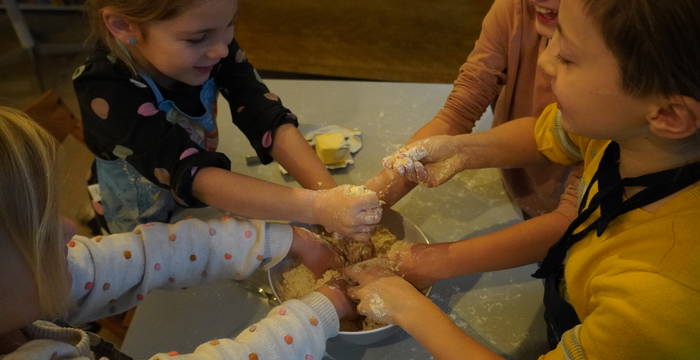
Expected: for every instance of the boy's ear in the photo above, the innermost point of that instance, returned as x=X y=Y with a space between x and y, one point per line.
x=122 y=29
x=677 y=119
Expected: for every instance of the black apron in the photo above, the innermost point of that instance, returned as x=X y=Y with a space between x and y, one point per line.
x=559 y=314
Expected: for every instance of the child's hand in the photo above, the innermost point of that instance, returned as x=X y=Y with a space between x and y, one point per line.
x=211 y=140
x=313 y=252
x=430 y=161
x=383 y=296
x=342 y=303
x=352 y=211
x=569 y=199
x=419 y=264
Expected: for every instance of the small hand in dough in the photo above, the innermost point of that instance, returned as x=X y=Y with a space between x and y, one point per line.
x=313 y=252
x=352 y=211
x=383 y=296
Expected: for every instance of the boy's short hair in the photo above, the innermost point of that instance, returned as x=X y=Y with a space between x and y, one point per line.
x=656 y=43
x=29 y=216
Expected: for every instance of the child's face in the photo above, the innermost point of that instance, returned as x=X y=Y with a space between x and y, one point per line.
x=187 y=47
x=546 y=12
x=19 y=298
x=587 y=81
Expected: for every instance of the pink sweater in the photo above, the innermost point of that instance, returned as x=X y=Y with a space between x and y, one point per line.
x=503 y=69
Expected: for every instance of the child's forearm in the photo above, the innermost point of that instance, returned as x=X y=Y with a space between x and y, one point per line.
x=251 y=197
x=441 y=337
x=347 y=210
x=517 y=245
x=390 y=186
x=296 y=329
x=111 y=274
x=509 y=145
x=292 y=151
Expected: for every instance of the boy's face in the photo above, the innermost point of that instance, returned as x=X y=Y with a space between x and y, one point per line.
x=546 y=13
x=586 y=80
x=187 y=47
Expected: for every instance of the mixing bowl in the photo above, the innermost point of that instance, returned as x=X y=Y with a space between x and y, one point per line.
x=404 y=229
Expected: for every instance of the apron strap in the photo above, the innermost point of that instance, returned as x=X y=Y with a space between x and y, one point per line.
x=559 y=314
x=609 y=199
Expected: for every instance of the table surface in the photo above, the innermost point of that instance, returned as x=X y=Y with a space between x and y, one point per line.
x=501 y=309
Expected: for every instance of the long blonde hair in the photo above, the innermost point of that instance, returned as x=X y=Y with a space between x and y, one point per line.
x=28 y=207
x=139 y=12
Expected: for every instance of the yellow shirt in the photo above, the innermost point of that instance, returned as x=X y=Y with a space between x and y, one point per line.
x=635 y=288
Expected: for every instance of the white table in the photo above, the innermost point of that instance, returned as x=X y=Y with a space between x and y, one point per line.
x=501 y=309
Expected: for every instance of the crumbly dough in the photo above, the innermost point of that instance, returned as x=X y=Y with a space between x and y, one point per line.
x=299 y=281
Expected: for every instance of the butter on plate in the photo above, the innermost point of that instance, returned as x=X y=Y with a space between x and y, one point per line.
x=331 y=148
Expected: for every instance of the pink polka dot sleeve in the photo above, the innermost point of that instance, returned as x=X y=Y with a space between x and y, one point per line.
x=298 y=329
x=113 y=273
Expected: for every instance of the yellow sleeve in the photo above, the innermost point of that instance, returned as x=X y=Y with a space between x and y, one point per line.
x=554 y=142
x=635 y=315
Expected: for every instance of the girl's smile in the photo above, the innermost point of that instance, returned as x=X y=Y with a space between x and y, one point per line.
x=546 y=16
x=187 y=47
x=204 y=69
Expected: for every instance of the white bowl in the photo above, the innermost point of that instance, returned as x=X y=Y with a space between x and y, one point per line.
x=404 y=229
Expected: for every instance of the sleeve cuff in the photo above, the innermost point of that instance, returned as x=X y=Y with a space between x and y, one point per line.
x=325 y=311
x=188 y=168
x=278 y=241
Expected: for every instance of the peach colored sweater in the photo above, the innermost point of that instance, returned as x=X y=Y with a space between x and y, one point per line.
x=503 y=69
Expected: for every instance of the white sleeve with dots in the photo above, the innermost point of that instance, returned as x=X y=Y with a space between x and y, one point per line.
x=297 y=329
x=113 y=273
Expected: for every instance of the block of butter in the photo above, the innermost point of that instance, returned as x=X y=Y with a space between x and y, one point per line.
x=331 y=147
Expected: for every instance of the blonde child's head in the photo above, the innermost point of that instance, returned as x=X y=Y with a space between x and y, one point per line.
x=33 y=256
x=627 y=69
x=169 y=39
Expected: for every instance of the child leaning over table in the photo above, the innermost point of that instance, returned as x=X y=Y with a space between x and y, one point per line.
x=623 y=279
x=47 y=275
x=147 y=98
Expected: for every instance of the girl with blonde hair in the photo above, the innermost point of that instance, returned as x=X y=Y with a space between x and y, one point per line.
x=46 y=275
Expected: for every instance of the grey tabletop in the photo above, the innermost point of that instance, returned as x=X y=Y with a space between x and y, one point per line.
x=501 y=309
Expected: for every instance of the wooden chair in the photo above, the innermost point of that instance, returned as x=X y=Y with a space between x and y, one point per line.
x=54 y=116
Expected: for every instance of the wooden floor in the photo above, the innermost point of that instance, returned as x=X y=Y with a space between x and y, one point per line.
x=395 y=40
